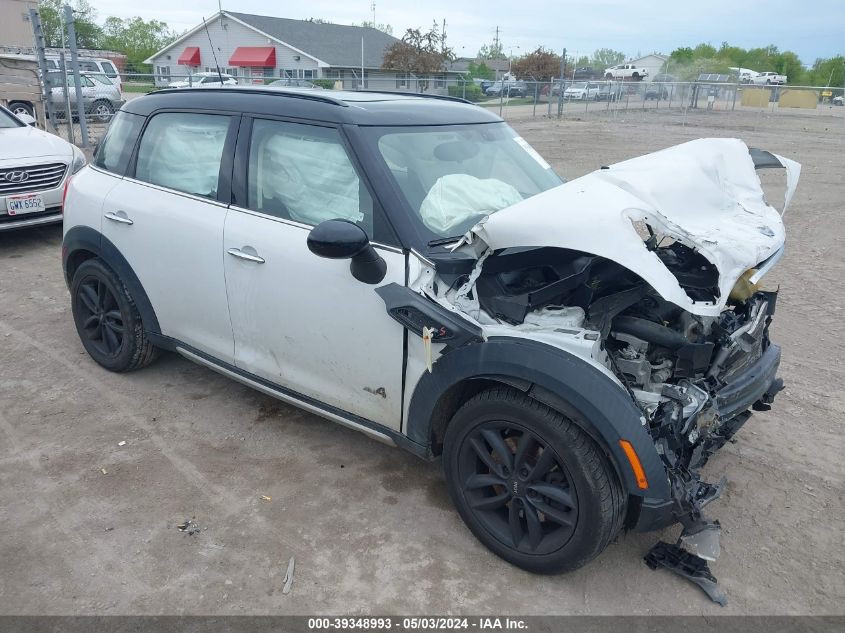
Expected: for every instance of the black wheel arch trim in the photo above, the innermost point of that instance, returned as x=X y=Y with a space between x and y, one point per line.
x=84 y=238
x=559 y=380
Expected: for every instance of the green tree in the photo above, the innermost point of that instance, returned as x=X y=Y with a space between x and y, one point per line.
x=605 y=58
x=538 y=65
x=419 y=52
x=384 y=28
x=84 y=18
x=828 y=72
x=494 y=50
x=480 y=71
x=136 y=38
x=706 y=51
x=683 y=55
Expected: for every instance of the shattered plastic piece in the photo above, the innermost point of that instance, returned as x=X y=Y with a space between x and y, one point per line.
x=104 y=471
x=288 y=579
x=122 y=443
x=427 y=333
x=189 y=527
x=265 y=498
x=687 y=566
x=704 y=543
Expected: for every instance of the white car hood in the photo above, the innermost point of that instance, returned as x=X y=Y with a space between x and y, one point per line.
x=20 y=144
x=704 y=193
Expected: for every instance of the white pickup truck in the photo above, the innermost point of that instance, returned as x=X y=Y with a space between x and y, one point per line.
x=625 y=71
x=768 y=78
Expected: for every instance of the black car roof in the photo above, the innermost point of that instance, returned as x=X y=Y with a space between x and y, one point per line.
x=334 y=106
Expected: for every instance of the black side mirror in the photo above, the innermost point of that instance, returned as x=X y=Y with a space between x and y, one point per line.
x=342 y=239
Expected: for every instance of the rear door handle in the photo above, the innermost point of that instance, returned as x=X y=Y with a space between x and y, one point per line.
x=117 y=217
x=236 y=252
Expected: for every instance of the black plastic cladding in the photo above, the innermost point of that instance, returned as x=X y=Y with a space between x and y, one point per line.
x=356 y=108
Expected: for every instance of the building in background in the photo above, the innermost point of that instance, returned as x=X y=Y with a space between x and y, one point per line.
x=257 y=49
x=653 y=63
x=15 y=27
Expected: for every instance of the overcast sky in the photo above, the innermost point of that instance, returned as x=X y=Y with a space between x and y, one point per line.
x=811 y=28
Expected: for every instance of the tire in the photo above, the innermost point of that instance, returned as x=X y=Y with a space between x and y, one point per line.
x=21 y=107
x=107 y=319
x=573 y=495
x=103 y=111
x=609 y=76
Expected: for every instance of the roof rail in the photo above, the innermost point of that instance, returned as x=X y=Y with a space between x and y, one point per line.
x=417 y=94
x=296 y=94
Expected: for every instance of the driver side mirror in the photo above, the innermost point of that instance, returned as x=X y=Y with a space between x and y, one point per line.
x=342 y=239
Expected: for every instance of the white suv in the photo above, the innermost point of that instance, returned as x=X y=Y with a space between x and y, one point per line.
x=410 y=267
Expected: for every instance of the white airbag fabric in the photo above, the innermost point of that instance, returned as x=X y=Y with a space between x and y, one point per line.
x=704 y=193
x=457 y=197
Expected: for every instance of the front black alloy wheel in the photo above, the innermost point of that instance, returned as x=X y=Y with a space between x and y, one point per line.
x=530 y=483
x=517 y=487
x=107 y=320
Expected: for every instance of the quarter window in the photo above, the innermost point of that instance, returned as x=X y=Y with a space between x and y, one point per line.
x=303 y=173
x=115 y=149
x=182 y=151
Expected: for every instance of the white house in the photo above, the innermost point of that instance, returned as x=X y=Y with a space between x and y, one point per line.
x=653 y=63
x=256 y=48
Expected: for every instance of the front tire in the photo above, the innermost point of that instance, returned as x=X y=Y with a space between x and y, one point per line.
x=529 y=483
x=21 y=107
x=107 y=320
x=103 y=111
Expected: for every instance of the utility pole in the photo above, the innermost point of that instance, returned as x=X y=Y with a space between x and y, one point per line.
x=496 y=40
x=77 y=82
x=373 y=8
x=38 y=32
x=562 y=86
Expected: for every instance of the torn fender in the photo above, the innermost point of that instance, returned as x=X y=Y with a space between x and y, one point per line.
x=705 y=194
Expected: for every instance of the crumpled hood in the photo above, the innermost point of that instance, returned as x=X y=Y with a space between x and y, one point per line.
x=27 y=142
x=704 y=193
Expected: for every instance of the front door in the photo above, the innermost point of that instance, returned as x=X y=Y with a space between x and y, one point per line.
x=301 y=321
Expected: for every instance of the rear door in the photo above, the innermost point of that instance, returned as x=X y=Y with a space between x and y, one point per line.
x=166 y=218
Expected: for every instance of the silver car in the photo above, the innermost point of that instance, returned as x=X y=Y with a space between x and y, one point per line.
x=101 y=98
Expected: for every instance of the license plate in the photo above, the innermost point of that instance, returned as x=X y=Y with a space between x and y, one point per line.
x=29 y=203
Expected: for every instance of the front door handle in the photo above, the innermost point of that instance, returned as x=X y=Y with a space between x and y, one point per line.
x=120 y=216
x=236 y=252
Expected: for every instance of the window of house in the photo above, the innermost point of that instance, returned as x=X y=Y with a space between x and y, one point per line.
x=182 y=151
x=308 y=74
x=402 y=80
x=286 y=73
x=303 y=173
x=163 y=72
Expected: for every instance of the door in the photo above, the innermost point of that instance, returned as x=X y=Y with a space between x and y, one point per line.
x=168 y=223
x=301 y=321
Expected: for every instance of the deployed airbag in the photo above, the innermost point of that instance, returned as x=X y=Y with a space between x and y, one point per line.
x=456 y=198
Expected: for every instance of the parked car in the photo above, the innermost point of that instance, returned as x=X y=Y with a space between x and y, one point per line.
x=485 y=84
x=573 y=375
x=100 y=98
x=583 y=73
x=626 y=71
x=655 y=91
x=34 y=169
x=768 y=78
x=205 y=79
x=838 y=100
x=294 y=83
x=581 y=90
x=90 y=66
x=511 y=89
x=609 y=92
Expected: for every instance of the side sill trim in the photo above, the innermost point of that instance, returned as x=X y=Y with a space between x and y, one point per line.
x=371 y=429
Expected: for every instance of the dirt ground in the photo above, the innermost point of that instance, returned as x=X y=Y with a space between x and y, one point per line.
x=89 y=526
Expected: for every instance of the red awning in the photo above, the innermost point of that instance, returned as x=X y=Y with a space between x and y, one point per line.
x=256 y=56
x=190 y=56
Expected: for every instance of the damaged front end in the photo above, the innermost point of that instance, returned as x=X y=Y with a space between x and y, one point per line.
x=650 y=271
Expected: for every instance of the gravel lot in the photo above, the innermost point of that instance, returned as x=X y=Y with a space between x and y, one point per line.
x=90 y=526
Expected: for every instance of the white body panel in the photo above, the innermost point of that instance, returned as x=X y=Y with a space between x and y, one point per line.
x=86 y=196
x=175 y=247
x=305 y=323
x=705 y=194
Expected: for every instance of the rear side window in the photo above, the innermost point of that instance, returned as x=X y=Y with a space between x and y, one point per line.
x=109 y=69
x=182 y=151
x=116 y=148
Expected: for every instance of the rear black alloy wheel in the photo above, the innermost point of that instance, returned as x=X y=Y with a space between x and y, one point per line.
x=529 y=483
x=107 y=320
x=102 y=321
x=517 y=487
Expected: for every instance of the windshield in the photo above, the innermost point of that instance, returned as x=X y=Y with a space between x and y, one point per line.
x=7 y=120
x=452 y=176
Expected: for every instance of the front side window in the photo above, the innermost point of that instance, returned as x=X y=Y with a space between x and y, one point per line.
x=452 y=176
x=303 y=173
x=182 y=151
x=116 y=148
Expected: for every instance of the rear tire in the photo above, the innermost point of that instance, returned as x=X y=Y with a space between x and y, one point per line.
x=107 y=319
x=529 y=483
x=103 y=111
x=21 y=107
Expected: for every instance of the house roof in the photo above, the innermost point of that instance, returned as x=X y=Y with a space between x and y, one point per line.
x=334 y=44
